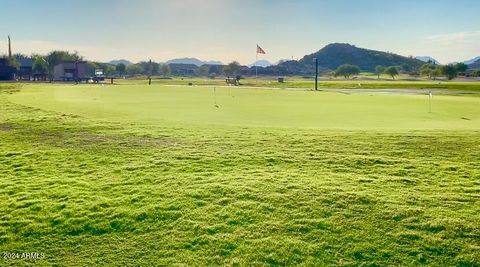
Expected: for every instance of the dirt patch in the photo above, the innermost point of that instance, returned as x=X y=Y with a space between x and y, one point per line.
x=6 y=127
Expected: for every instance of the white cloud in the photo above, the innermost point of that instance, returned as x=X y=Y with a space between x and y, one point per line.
x=454 y=37
x=448 y=47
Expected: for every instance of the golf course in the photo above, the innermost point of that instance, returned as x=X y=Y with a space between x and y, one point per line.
x=174 y=175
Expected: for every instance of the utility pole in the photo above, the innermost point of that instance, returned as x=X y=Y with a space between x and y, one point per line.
x=10 y=58
x=9 y=48
x=316 y=74
x=150 y=72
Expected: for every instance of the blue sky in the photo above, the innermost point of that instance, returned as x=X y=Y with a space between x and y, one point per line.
x=228 y=30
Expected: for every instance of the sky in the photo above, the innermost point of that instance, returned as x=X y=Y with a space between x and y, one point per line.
x=228 y=30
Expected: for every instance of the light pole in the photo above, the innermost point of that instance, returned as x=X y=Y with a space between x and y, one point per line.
x=316 y=73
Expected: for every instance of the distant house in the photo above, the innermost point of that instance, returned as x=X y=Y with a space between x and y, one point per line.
x=7 y=72
x=70 y=71
x=25 y=70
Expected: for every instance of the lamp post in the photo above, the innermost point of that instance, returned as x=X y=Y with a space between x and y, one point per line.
x=316 y=73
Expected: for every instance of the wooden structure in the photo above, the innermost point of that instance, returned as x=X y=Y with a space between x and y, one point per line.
x=7 y=72
x=25 y=71
x=70 y=71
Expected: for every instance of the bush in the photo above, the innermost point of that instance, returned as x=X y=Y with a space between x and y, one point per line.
x=347 y=70
x=450 y=71
x=392 y=71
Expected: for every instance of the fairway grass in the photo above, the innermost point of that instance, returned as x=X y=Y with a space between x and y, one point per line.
x=136 y=175
x=324 y=83
x=201 y=105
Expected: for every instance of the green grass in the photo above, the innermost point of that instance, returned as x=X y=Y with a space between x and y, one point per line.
x=364 y=82
x=174 y=105
x=137 y=175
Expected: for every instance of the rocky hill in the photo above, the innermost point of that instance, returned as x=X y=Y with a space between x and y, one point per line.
x=334 y=55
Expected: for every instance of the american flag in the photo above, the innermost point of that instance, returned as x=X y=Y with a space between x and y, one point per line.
x=260 y=50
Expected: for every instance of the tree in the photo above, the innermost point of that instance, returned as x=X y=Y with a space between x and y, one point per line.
x=134 y=69
x=434 y=73
x=19 y=56
x=90 y=68
x=149 y=68
x=476 y=73
x=392 y=71
x=56 y=57
x=204 y=70
x=461 y=67
x=379 y=70
x=347 y=70
x=110 y=70
x=405 y=67
x=12 y=62
x=121 y=68
x=450 y=71
x=166 y=70
x=428 y=70
x=155 y=68
x=232 y=68
x=40 y=65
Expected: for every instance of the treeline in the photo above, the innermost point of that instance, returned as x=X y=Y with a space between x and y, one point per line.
x=430 y=70
x=44 y=64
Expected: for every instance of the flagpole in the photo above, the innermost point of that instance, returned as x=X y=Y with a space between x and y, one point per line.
x=429 y=101
x=256 y=66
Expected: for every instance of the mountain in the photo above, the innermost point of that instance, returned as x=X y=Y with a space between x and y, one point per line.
x=120 y=61
x=475 y=65
x=213 y=62
x=193 y=61
x=334 y=55
x=427 y=59
x=281 y=61
x=471 y=61
x=261 y=63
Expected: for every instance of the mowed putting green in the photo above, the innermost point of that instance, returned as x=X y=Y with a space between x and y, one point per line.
x=137 y=175
x=256 y=107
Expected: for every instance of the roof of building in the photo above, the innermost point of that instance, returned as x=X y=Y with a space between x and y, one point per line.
x=25 y=62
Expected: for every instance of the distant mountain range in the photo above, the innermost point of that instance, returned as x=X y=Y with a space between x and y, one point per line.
x=472 y=61
x=120 y=61
x=193 y=61
x=261 y=63
x=329 y=58
x=427 y=59
x=475 y=64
